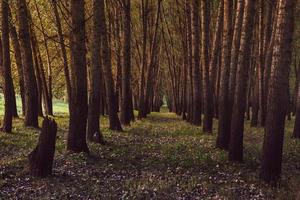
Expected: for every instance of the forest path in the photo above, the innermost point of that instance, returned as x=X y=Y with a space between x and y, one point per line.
x=161 y=157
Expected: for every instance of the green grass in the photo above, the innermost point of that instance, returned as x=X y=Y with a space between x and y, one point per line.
x=59 y=106
x=161 y=157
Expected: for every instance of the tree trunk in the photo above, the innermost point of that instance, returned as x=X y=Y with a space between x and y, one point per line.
x=114 y=122
x=76 y=141
x=208 y=95
x=63 y=48
x=18 y=58
x=6 y=70
x=240 y=96
x=142 y=106
x=277 y=100
x=41 y=158
x=48 y=104
x=93 y=127
x=196 y=119
x=215 y=54
x=235 y=54
x=31 y=93
x=126 y=104
x=224 y=118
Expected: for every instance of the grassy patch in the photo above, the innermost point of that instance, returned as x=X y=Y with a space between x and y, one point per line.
x=161 y=157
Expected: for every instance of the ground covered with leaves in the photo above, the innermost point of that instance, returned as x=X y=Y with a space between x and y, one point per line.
x=161 y=157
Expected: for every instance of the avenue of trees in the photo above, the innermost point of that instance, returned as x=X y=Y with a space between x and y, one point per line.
x=230 y=60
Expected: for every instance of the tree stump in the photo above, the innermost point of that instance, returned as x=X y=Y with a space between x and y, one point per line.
x=41 y=158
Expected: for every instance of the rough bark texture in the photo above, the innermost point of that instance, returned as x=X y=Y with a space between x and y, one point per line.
x=278 y=100
x=31 y=93
x=76 y=141
x=41 y=158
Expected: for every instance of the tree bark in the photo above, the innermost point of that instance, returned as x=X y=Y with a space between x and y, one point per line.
x=114 y=122
x=63 y=48
x=239 y=106
x=235 y=54
x=196 y=69
x=277 y=100
x=18 y=58
x=76 y=141
x=208 y=95
x=31 y=93
x=41 y=158
x=126 y=104
x=224 y=118
x=93 y=127
x=6 y=70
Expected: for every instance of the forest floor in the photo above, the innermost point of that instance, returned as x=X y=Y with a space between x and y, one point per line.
x=161 y=157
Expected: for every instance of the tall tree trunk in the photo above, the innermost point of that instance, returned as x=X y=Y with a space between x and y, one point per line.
x=48 y=104
x=18 y=58
x=196 y=69
x=63 y=48
x=145 y=11
x=6 y=70
x=215 y=54
x=76 y=141
x=224 y=118
x=264 y=73
x=93 y=126
x=235 y=53
x=153 y=52
x=208 y=95
x=126 y=104
x=39 y=72
x=30 y=85
x=277 y=100
x=114 y=122
x=239 y=108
